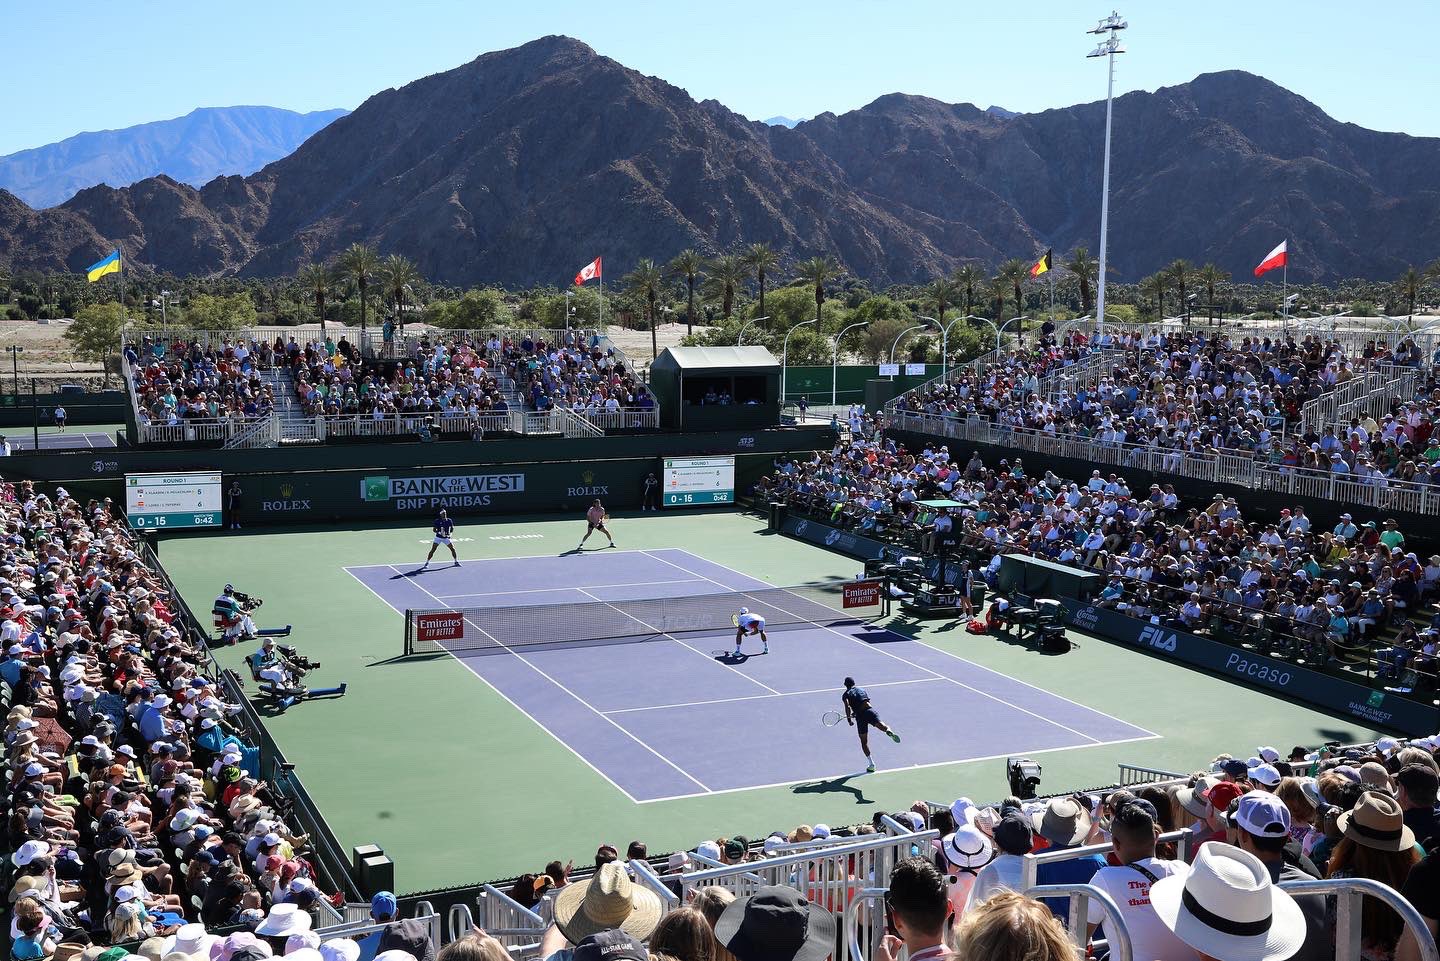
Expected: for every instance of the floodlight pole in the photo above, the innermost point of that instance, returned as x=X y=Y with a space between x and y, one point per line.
x=1107 y=48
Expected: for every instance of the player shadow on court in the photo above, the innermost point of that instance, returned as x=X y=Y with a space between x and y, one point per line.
x=406 y=575
x=834 y=785
x=731 y=658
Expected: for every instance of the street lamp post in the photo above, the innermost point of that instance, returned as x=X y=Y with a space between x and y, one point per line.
x=835 y=360
x=785 y=356
x=1109 y=47
x=1001 y=328
x=748 y=325
x=898 y=337
x=567 y=309
x=15 y=350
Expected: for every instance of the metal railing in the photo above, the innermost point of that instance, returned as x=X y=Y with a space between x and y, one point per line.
x=1349 y=893
x=515 y=926
x=831 y=877
x=1030 y=863
x=424 y=912
x=1240 y=468
x=1117 y=932
x=257 y=433
x=625 y=418
x=1133 y=774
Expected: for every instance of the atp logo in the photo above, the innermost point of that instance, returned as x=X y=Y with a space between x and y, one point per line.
x=1157 y=638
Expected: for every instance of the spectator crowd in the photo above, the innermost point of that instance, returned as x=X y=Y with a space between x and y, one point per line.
x=1194 y=392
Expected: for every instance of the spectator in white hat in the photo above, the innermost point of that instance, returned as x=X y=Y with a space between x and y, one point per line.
x=1262 y=827
x=1227 y=909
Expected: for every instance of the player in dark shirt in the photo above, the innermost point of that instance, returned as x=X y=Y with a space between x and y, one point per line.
x=862 y=716
x=443 y=528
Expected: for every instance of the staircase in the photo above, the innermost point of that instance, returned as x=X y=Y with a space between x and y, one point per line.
x=258 y=433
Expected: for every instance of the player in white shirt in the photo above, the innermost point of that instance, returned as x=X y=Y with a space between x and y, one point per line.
x=752 y=624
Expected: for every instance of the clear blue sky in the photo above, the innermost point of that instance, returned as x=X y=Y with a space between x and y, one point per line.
x=71 y=67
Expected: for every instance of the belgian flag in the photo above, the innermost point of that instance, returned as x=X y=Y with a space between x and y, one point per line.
x=1043 y=264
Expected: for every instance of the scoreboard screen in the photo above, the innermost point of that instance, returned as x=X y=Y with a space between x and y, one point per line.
x=697 y=481
x=171 y=501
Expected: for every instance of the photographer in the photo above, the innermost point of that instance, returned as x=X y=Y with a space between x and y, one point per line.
x=281 y=665
x=232 y=614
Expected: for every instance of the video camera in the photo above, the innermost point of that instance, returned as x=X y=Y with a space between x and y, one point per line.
x=247 y=601
x=298 y=663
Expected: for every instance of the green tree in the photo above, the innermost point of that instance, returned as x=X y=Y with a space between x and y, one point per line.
x=943 y=292
x=996 y=291
x=1179 y=273
x=969 y=278
x=95 y=334
x=1086 y=270
x=723 y=277
x=1154 y=286
x=1014 y=272
x=644 y=283
x=687 y=264
x=360 y=262
x=1211 y=277
x=1407 y=288
x=763 y=261
x=211 y=312
x=887 y=317
x=317 y=280
x=472 y=310
x=815 y=273
x=398 y=278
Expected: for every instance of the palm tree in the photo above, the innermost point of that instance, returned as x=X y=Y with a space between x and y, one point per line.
x=1086 y=270
x=1014 y=272
x=687 y=264
x=942 y=292
x=1155 y=286
x=397 y=276
x=1210 y=277
x=761 y=259
x=360 y=262
x=1408 y=287
x=1179 y=274
x=724 y=275
x=317 y=281
x=645 y=282
x=997 y=290
x=817 y=272
x=968 y=279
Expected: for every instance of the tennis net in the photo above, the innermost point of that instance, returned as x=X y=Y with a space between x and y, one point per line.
x=586 y=623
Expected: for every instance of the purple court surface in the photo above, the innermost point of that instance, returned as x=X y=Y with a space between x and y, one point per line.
x=664 y=718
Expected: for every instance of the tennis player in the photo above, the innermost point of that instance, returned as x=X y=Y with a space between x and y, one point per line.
x=444 y=528
x=595 y=518
x=752 y=624
x=861 y=715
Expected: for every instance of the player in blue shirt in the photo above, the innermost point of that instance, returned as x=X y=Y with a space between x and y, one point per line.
x=861 y=715
x=443 y=528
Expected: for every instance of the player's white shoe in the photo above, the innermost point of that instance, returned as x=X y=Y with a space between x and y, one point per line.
x=870 y=769
x=765 y=649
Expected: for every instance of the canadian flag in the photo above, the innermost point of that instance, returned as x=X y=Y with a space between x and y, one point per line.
x=589 y=272
x=1275 y=258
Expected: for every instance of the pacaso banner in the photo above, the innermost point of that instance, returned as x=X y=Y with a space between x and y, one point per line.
x=1376 y=707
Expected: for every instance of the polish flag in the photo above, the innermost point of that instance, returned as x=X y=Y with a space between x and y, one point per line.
x=1275 y=258
x=590 y=271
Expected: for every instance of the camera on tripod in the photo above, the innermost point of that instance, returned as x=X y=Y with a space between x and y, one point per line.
x=248 y=602
x=297 y=662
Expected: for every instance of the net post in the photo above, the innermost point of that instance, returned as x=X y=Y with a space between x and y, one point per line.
x=409 y=632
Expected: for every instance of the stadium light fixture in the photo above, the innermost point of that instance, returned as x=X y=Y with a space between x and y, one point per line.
x=785 y=355
x=748 y=324
x=1111 y=25
x=835 y=358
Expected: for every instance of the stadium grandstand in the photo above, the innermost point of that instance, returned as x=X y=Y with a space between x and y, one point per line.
x=1227 y=529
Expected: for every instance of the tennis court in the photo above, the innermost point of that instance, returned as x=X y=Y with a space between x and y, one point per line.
x=661 y=717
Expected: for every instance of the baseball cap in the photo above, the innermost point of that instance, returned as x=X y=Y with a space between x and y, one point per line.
x=1014 y=835
x=1418 y=779
x=1262 y=814
x=383 y=904
x=1222 y=794
x=1235 y=768
x=1265 y=774
x=610 y=945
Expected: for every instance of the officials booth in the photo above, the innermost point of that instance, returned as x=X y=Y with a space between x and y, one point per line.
x=716 y=388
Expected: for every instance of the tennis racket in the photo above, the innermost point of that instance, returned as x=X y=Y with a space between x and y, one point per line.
x=830 y=718
x=735 y=619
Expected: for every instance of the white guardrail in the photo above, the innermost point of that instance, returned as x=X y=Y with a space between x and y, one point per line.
x=1235 y=467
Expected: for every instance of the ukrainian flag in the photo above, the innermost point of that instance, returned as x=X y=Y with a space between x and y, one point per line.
x=109 y=265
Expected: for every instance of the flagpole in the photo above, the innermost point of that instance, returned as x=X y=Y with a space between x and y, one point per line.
x=120 y=275
x=1284 y=294
x=601 y=274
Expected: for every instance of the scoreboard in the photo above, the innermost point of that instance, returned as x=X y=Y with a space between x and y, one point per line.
x=697 y=481
x=169 y=501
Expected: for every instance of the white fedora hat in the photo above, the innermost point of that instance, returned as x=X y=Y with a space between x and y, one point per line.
x=1226 y=907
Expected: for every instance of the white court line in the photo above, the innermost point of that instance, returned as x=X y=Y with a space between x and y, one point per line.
x=1033 y=687
x=903 y=660
x=1069 y=700
x=588 y=587
x=596 y=711
x=897 y=770
x=761 y=697
x=608 y=552
x=712 y=660
x=504 y=697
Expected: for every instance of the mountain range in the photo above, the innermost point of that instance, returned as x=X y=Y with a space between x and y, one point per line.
x=524 y=164
x=194 y=149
